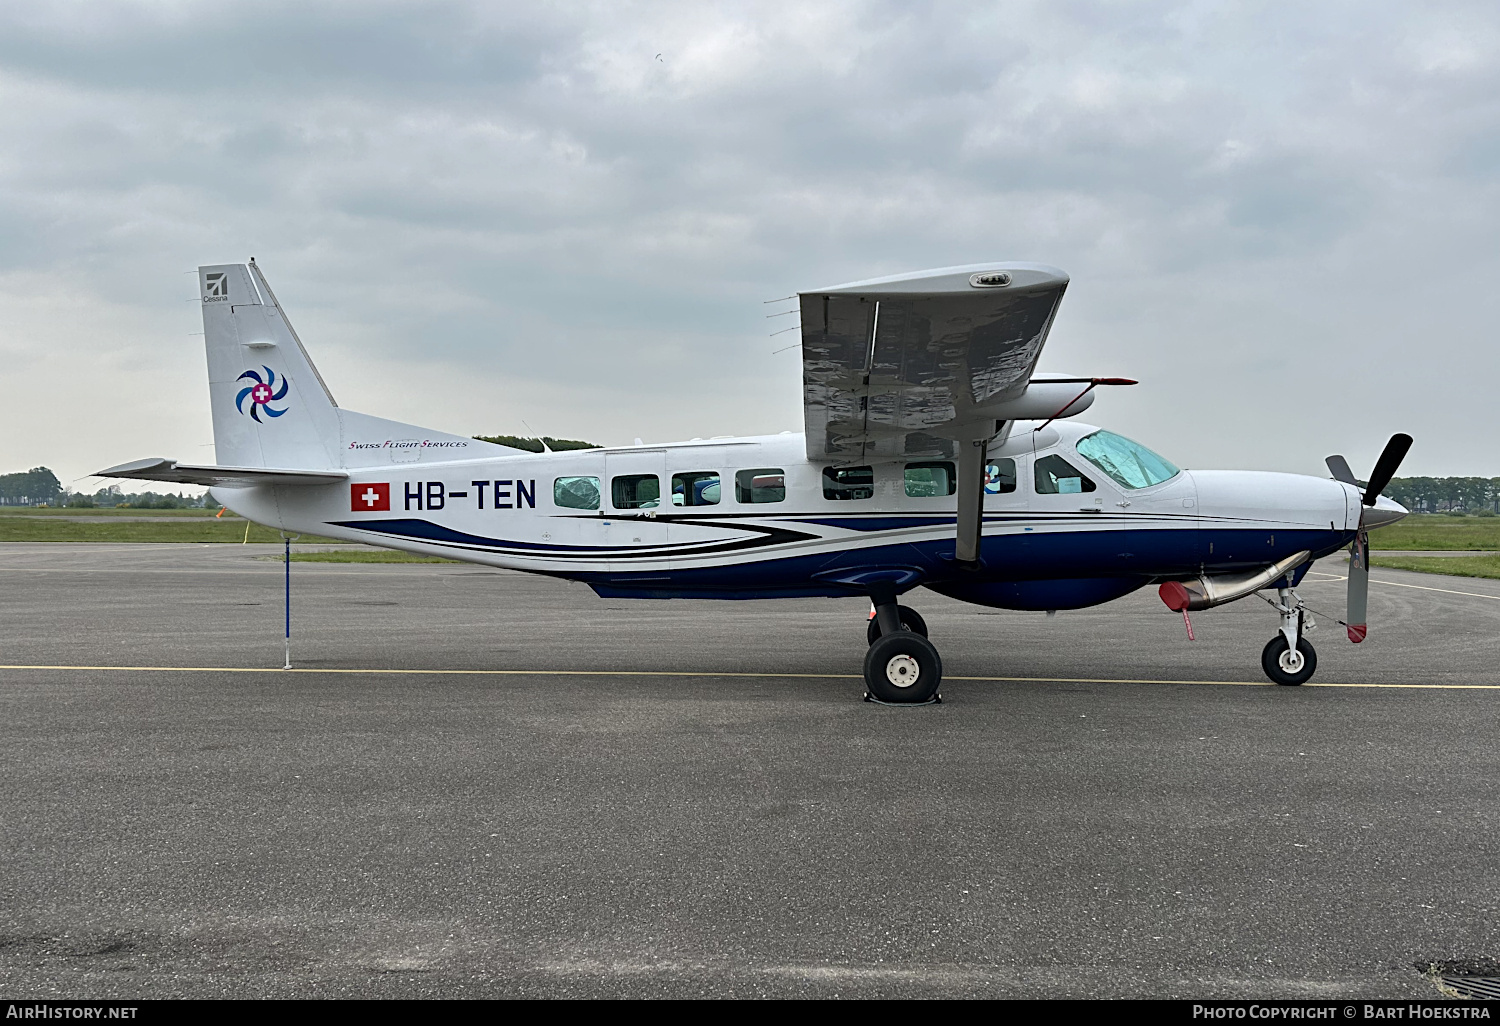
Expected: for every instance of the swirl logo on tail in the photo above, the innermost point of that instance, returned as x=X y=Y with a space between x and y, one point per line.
x=261 y=394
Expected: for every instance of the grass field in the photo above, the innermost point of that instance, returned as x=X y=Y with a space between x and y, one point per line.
x=1453 y=566
x=113 y=511
x=185 y=529
x=1423 y=531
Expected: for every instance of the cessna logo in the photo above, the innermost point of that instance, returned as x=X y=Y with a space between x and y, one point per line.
x=215 y=287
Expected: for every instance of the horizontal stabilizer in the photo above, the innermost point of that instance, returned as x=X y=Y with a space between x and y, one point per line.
x=173 y=472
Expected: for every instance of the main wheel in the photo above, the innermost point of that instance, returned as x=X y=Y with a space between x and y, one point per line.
x=1283 y=665
x=903 y=667
x=911 y=620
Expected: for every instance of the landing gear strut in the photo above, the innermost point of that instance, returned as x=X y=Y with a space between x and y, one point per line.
x=911 y=620
x=1288 y=658
x=902 y=667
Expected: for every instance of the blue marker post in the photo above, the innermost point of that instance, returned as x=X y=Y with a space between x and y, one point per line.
x=288 y=562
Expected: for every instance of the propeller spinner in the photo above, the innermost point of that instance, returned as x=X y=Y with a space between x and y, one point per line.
x=1371 y=516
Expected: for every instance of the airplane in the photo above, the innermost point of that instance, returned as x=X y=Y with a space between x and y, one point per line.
x=933 y=455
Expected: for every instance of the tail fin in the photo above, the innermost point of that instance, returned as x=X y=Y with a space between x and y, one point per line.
x=270 y=406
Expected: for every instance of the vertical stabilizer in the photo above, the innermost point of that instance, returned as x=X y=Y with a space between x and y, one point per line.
x=270 y=406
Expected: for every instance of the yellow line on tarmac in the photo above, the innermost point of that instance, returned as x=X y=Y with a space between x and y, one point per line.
x=1234 y=683
x=1419 y=687
x=725 y=673
x=438 y=673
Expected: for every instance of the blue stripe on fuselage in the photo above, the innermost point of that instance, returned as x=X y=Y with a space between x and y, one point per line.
x=1028 y=556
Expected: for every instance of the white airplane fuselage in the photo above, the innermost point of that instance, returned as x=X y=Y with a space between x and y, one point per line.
x=770 y=538
x=935 y=455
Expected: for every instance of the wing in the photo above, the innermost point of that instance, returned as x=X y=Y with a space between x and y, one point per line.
x=900 y=367
x=173 y=472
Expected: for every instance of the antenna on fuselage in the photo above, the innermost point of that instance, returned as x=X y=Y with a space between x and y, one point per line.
x=545 y=447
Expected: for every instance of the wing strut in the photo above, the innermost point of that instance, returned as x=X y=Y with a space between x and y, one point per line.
x=970 y=483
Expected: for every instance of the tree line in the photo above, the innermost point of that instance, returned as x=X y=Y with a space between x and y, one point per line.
x=1477 y=495
x=40 y=487
x=113 y=497
x=34 y=487
x=535 y=444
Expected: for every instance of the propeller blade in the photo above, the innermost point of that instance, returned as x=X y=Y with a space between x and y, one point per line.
x=1386 y=466
x=1339 y=468
x=1359 y=587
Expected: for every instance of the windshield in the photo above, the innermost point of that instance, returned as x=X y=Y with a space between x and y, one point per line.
x=1129 y=464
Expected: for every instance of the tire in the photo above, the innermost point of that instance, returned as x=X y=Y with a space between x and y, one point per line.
x=911 y=620
x=903 y=668
x=1272 y=661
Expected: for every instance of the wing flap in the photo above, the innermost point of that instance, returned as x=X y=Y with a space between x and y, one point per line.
x=172 y=472
x=902 y=367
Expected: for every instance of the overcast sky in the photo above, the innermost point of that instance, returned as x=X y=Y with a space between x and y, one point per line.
x=1281 y=218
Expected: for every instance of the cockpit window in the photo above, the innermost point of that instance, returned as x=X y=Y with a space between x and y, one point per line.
x=1129 y=464
x=1056 y=476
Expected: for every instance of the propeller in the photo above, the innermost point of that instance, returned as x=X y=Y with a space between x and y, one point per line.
x=1359 y=549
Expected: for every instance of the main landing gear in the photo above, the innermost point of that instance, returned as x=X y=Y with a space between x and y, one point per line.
x=1288 y=658
x=902 y=667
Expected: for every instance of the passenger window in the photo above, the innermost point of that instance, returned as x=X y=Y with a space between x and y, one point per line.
x=699 y=488
x=576 y=492
x=1056 y=476
x=766 y=484
x=636 y=491
x=1000 y=477
x=848 y=482
x=927 y=480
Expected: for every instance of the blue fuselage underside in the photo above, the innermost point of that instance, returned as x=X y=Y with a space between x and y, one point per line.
x=1030 y=568
x=1063 y=570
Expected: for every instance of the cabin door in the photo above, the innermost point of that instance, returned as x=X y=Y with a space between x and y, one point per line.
x=633 y=497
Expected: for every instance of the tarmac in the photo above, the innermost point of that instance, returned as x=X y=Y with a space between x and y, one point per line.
x=478 y=783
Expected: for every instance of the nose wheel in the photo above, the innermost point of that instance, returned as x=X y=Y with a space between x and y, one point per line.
x=1288 y=659
x=1287 y=665
x=901 y=667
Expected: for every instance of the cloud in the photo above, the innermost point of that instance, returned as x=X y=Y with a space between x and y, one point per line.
x=1281 y=220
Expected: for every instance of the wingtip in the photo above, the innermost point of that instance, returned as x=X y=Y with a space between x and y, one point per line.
x=135 y=467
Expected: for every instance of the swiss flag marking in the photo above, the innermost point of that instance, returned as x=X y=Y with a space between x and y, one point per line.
x=370 y=496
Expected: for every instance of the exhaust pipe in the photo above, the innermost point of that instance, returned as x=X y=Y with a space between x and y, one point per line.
x=1204 y=592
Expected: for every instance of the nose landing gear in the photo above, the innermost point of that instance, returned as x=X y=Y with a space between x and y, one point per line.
x=1288 y=659
x=902 y=667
